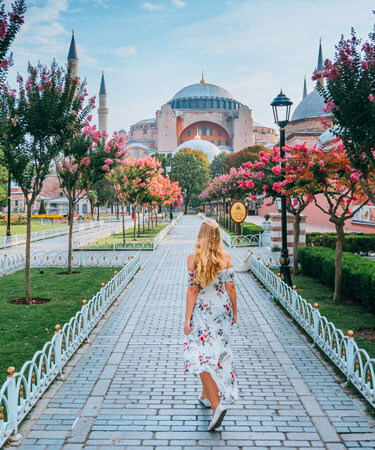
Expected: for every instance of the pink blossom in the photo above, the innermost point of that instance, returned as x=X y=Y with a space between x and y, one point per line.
x=4 y=64
x=89 y=118
x=371 y=97
x=72 y=112
x=105 y=168
x=3 y=30
x=108 y=161
x=276 y=170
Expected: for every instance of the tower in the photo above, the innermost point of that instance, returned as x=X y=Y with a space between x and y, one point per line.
x=103 y=109
x=304 y=89
x=319 y=67
x=73 y=57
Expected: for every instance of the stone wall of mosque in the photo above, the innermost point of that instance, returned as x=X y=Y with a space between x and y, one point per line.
x=242 y=129
x=304 y=130
x=166 y=123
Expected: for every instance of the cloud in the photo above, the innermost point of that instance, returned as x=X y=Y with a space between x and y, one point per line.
x=102 y=3
x=151 y=6
x=125 y=52
x=179 y=3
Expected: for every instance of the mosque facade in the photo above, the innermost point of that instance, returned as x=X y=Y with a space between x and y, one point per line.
x=199 y=113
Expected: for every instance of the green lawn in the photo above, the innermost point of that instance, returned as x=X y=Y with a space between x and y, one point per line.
x=248 y=229
x=345 y=316
x=23 y=327
x=148 y=234
x=20 y=229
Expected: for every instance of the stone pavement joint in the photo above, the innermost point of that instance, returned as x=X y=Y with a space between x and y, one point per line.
x=127 y=388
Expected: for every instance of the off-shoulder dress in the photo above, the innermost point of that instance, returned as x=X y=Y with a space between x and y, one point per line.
x=206 y=348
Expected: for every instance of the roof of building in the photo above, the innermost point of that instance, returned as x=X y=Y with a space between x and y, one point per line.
x=326 y=139
x=207 y=147
x=311 y=106
x=198 y=90
x=152 y=120
x=102 y=89
x=73 y=49
x=122 y=130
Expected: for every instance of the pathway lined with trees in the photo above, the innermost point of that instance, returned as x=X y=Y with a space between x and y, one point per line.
x=127 y=387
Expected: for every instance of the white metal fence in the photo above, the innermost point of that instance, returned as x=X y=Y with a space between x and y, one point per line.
x=343 y=351
x=92 y=242
x=17 y=239
x=23 y=389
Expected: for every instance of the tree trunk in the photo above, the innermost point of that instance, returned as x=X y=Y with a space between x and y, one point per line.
x=139 y=220
x=143 y=218
x=123 y=225
x=98 y=211
x=338 y=261
x=156 y=216
x=148 y=217
x=70 y=237
x=117 y=210
x=28 y=255
x=135 y=221
x=297 y=231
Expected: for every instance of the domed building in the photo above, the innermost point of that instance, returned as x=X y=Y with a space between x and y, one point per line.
x=208 y=148
x=201 y=108
x=305 y=124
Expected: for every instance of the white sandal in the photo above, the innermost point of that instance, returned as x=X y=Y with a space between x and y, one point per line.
x=220 y=412
x=205 y=402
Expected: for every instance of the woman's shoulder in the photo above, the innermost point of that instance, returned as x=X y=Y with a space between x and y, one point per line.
x=191 y=262
x=227 y=260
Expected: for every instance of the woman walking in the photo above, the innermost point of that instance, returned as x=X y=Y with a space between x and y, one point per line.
x=211 y=310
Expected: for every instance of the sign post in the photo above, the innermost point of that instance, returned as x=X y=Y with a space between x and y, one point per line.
x=238 y=214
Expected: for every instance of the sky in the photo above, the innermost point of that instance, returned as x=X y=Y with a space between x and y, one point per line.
x=149 y=50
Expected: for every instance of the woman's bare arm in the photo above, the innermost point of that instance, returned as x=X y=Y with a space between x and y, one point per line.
x=191 y=296
x=231 y=290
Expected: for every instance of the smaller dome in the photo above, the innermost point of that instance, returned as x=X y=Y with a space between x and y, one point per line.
x=208 y=148
x=311 y=106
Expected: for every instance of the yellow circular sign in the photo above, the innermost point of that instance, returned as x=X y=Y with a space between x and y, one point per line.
x=201 y=207
x=238 y=212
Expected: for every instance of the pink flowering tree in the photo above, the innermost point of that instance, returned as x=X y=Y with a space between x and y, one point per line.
x=10 y=24
x=268 y=181
x=75 y=172
x=349 y=92
x=36 y=121
x=329 y=173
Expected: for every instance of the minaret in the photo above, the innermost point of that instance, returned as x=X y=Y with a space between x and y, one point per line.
x=304 y=89
x=203 y=81
x=319 y=67
x=73 y=57
x=103 y=109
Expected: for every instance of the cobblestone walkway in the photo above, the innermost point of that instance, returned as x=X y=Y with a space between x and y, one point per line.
x=127 y=388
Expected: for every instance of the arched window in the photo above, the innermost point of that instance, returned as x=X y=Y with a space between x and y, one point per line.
x=204 y=130
x=211 y=131
x=227 y=143
x=181 y=141
x=219 y=142
x=219 y=133
x=136 y=154
x=212 y=141
x=188 y=133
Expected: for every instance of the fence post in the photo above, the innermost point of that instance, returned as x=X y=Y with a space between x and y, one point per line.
x=12 y=400
x=316 y=317
x=58 y=349
x=350 y=355
x=85 y=317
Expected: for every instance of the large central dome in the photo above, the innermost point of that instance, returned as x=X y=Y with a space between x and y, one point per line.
x=199 y=90
x=203 y=96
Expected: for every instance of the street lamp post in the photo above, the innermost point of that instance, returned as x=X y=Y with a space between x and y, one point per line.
x=281 y=111
x=8 y=232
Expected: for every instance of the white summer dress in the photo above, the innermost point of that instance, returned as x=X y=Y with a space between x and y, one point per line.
x=206 y=348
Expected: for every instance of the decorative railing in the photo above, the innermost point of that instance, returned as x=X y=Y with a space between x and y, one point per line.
x=17 y=239
x=95 y=235
x=22 y=389
x=343 y=351
x=91 y=242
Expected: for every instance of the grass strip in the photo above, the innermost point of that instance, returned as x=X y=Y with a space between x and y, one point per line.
x=24 y=329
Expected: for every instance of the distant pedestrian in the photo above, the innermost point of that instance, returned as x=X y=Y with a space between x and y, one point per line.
x=211 y=310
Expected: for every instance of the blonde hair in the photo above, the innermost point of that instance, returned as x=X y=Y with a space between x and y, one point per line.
x=209 y=258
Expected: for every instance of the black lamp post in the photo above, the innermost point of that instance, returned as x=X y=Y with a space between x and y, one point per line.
x=281 y=111
x=8 y=232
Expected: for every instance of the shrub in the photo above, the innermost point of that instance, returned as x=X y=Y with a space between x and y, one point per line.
x=358 y=273
x=42 y=207
x=251 y=229
x=362 y=243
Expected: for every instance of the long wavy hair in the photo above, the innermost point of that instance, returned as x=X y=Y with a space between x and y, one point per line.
x=209 y=257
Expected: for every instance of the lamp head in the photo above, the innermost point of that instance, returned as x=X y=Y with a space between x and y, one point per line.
x=281 y=105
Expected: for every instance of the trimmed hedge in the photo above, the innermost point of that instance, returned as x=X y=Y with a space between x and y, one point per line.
x=358 y=273
x=362 y=243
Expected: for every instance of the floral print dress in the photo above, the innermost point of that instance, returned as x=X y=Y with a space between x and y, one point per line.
x=206 y=348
